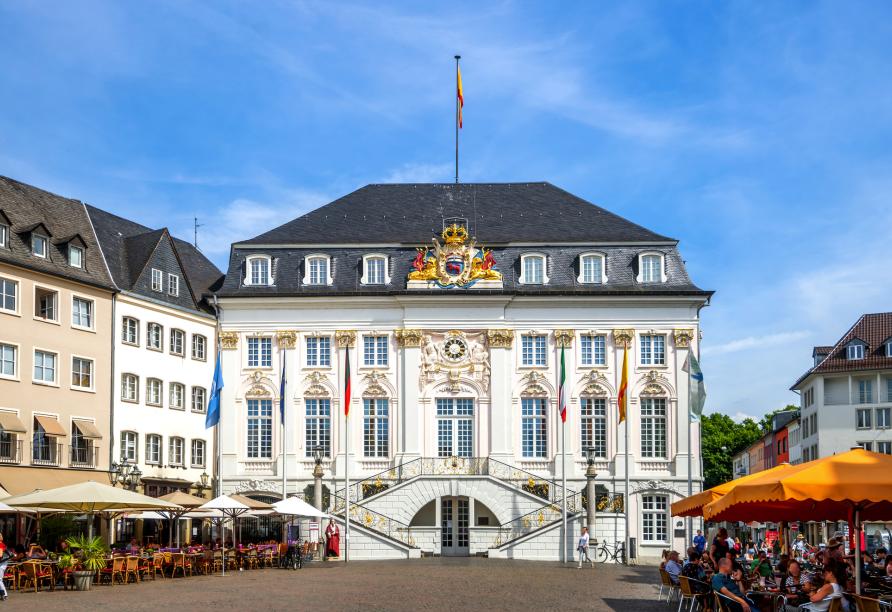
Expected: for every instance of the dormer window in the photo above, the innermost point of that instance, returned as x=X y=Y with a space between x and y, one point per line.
x=258 y=271
x=173 y=284
x=592 y=270
x=4 y=235
x=316 y=270
x=374 y=268
x=157 y=280
x=75 y=256
x=38 y=245
x=855 y=351
x=532 y=269
x=651 y=268
x=889 y=348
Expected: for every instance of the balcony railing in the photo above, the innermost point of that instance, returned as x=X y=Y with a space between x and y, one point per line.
x=84 y=456
x=46 y=453
x=10 y=451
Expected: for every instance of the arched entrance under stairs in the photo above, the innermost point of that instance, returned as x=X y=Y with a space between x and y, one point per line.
x=447 y=525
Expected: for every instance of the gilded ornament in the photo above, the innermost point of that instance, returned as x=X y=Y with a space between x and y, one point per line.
x=345 y=338
x=228 y=340
x=683 y=337
x=408 y=338
x=500 y=338
x=286 y=338
x=623 y=337
x=563 y=338
x=455 y=263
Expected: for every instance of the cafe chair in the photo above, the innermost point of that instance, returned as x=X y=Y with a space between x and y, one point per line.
x=33 y=573
x=868 y=604
x=157 y=565
x=131 y=569
x=689 y=594
x=666 y=583
x=835 y=604
x=116 y=570
x=180 y=563
x=722 y=602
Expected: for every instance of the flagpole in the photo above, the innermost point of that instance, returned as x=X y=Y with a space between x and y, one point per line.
x=346 y=403
x=626 y=500
x=690 y=452
x=562 y=400
x=282 y=404
x=457 y=111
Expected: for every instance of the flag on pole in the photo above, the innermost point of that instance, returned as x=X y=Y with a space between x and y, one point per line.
x=697 y=393
x=282 y=388
x=623 y=398
x=346 y=381
x=562 y=390
x=213 y=414
x=460 y=94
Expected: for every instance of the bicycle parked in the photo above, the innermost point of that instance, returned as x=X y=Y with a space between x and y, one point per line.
x=615 y=552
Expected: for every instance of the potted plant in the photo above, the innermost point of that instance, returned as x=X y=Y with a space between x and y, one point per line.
x=89 y=553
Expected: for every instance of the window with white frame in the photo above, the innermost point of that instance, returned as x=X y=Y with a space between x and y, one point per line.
x=374 y=351
x=318 y=426
x=591 y=269
x=260 y=429
x=177 y=342
x=130 y=387
x=865 y=391
x=533 y=350
x=593 y=412
x=199 y=347
x=889 y=349
x=455 y=427
x=317 y=272
x=82 y=313
x=153 y=449
x=157 y=280
x=75 y=256
x=9 y=295
x=199 y=399
x=173 y=284
x=889 y=389
x=654 y=518
x=593 y=350
x=650 y=268
x=884 y=418
x=884 y=447
x=81 y=373
x=154 y=336
x=4 y=235
x=318 y=351
x=534 y=427
x=532 y=269
x=154 y=389
x=374 y=270
x=38 y=245
x=9 y=360
x=45 y=366
x=863 y=418
x=653 y=428
x=260 y=352
x=258 y=271
x=653 y=350
x=198 y=453
x=855 y=351
x=129 y=440
x=866 y=445
x=130 y=331
x=175 y=447
x=46 y=304
x=376 y=428
x=177 y=392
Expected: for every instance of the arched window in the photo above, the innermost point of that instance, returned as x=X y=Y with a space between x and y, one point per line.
x=374 y=270
x=258 y=270
x=317 y=270
x=592 y=269
x=651 y=268
x=533 y=269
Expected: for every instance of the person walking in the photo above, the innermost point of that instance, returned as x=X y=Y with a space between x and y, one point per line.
x=582 y=548
x=5 y=556
x=699 y=542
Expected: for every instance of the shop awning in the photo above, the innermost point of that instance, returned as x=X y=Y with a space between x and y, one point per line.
x=18 y=480
x=10 y=421
x=88 y=429
x=51 y=426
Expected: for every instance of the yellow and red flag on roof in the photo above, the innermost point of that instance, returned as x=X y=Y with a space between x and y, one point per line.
x=460 y=93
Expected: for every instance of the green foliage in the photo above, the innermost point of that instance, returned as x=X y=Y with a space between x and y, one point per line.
x=89 y=551
x=765 y=423
x=722 y=439
x=56 y=528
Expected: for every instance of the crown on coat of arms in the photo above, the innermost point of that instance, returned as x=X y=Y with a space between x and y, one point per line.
x=455 y=234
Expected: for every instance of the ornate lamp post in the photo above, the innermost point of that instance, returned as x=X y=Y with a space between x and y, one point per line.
x=317 y=477
x=202 y=484
x=590 y=491
x=125 y=473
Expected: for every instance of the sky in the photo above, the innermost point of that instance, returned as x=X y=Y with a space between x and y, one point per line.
x=756 y=133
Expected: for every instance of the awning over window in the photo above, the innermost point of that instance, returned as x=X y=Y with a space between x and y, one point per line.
x=9 y=421
x=88 y=429
x=51 y=426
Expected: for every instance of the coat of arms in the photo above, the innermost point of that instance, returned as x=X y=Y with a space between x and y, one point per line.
x=458 y=262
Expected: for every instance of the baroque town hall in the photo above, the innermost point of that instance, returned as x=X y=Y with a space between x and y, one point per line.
x=454 y=303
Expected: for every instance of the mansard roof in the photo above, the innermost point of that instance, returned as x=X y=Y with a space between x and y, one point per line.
x=497 y=213
x=28 y=208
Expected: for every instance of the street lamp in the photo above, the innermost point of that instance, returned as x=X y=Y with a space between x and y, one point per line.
x=202 y=483
x=317 y=477
x=125 y=473
x=590 y=491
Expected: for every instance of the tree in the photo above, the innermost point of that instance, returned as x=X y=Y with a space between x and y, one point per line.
x=722 y=438
x=765 y=423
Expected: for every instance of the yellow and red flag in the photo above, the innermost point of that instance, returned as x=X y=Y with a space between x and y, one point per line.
x=623 y=398
x=459 y=93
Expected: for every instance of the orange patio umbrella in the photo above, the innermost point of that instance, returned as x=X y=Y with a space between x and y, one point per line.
x=693 y=505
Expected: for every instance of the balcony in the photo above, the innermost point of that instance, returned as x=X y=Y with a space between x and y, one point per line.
x=46 y=453
x=10 y=451
x=84 y=456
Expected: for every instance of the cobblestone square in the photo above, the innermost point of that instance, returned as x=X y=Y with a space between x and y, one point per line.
x=425 y=584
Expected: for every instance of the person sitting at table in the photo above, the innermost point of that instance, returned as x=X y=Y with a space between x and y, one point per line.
x=793 y=583
x=36 y=552
x=761 y=566
x=706 y=562
x=673 y=567
x=783 y=564
x=19 y=554
x=723 y=583
x=740 y=577
x=133 y=547
x=834 y=578
x=693 y=570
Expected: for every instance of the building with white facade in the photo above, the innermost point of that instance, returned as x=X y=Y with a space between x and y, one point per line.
x=453 y=440
x=164 y=353
x=846 y=396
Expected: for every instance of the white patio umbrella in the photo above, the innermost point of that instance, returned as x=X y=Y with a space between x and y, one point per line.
x=295 y=506
x=221 y=508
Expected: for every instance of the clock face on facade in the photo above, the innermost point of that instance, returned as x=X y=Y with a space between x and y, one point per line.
x=455 y=349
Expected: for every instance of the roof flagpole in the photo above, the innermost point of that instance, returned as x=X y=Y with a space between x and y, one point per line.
x=459 y=103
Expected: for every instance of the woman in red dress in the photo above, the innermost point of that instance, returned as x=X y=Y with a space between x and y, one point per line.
x=333 y=538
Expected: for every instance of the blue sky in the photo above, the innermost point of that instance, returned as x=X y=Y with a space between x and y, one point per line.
x=756 y=133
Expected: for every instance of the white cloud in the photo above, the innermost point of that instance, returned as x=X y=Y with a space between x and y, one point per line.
x=751 y=342
x=740 y=417
x=420 y=173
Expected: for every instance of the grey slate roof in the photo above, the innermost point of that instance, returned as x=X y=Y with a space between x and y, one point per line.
x=497 y=213
x=26 y=208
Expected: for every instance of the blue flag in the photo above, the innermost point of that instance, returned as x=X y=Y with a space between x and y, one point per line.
x=282 y=390
x=213 y=415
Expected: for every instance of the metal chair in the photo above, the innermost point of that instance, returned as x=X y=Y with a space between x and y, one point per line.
x=868 y=604
x=666 y=583
x=687 y=592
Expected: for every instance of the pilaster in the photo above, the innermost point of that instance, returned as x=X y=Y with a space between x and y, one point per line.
x=411 y=433
x=501 y=423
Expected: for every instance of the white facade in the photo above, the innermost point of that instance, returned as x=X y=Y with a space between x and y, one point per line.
x=487 y=371
x=794 y=438
x=163 y=433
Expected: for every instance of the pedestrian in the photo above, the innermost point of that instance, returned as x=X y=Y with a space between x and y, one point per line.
x=719 y=548
x=333 y=537
x=699 y=542
x=5 y=556
x=582 y=548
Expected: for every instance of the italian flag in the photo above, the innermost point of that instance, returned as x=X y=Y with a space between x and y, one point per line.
x=346 y=381
x=562 y=390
